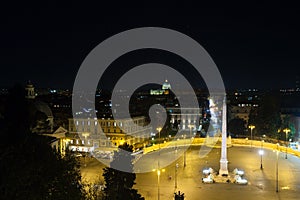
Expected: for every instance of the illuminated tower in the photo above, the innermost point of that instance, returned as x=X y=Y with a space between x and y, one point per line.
x=224 y=162
x=29 y=91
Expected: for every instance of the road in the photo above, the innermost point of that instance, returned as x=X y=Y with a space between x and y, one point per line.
x=262 y=183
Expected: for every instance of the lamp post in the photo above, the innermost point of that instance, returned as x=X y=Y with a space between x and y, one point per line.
x=184 y=154
x=158 y=172
x=261 y=153
x=277 y=168
x=158 y=129
x=158 y=180
x=176 y=170
x=85 y=136
x=251 y=128
x=286 y=130
x=158 y=164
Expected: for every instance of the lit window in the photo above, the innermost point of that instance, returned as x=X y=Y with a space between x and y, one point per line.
x=71 y=141
x=89 y=123
x=76 y=123
x=96 y=123
x=76 y=141
x=82 y=141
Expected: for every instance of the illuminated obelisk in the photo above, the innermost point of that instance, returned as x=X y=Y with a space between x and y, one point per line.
x=224 y=162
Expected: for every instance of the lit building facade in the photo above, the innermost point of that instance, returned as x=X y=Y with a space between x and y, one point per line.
x=91 y=134
x=188 y=117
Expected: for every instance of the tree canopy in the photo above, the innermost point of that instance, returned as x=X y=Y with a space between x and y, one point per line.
x=29 y=167
x=118 y=184
x=266 y=117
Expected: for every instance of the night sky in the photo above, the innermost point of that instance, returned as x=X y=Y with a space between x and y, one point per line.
x=253 y=46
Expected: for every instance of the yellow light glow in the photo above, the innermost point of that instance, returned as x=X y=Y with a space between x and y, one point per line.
x=251 y=127
x=286 y=130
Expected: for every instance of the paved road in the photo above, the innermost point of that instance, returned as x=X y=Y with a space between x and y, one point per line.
x=261 y=182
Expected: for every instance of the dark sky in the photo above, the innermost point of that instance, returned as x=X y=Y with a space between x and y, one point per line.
x=254 y=46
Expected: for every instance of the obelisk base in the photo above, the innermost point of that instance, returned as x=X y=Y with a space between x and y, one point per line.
x=223 y=167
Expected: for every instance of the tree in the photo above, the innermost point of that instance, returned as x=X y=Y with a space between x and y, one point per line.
x=287 y=123
x=29 y=167
x=266 y=117
x=118 y=184
x=236 y=126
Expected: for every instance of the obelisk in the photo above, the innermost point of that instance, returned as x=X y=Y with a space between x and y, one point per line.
x=224 y=162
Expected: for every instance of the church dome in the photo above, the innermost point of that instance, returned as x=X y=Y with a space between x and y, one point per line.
x=166 y=85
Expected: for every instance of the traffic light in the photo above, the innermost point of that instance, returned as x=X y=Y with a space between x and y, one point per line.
x=179 y=196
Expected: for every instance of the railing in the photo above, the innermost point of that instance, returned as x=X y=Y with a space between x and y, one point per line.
x=234 y=142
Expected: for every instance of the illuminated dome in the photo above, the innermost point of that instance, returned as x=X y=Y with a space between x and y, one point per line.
x=166 y=85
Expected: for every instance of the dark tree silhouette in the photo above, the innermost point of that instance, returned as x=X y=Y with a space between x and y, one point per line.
x=119 y=183
x=236 y=126
x=266 y=117
x=29 y=167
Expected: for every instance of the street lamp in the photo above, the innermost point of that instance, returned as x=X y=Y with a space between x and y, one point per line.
x=158 y=129
x=158 y=165
x=176 y=170
x=286 y=130
x=277 y=167
x=85 y=136
x=158 y=171
x=251 y=128
x=261 y=153
x=184 y=154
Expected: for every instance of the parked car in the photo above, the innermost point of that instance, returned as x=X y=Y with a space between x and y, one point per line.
x=207 y=171
x=239 y=180
x=239 y=172
x=208 y=179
